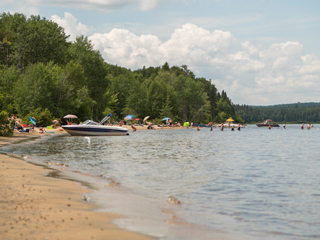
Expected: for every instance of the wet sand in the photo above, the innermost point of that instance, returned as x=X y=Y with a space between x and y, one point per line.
x=33 y=206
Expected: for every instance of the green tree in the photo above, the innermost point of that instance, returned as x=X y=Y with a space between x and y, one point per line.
x=40 y=40
x=95 y=72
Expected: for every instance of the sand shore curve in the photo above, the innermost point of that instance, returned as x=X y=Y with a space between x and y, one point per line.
x=33 y=206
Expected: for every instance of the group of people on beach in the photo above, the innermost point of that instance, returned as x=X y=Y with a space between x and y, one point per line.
x=19 y=127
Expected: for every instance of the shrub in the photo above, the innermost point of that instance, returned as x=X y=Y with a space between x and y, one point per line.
x=6 y=125
x=43 y=117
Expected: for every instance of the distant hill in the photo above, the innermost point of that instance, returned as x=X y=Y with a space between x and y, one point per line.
x=282 y=113
x=299 y=104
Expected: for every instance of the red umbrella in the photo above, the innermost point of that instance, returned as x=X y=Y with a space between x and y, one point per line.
x=138 y=119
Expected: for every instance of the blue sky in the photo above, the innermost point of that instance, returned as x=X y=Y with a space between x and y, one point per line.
x=261 y=52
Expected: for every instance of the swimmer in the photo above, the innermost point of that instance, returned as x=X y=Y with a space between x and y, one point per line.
x=302 y=126
x=284 y=126
x=211 y=128
x=238 y=127
x=232 y=128
x=308 y=127
x=269 y=127
x=198 y=129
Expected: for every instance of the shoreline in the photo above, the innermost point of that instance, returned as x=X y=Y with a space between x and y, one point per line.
x=35 y=206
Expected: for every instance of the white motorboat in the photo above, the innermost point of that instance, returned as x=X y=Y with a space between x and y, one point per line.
x=92 y=128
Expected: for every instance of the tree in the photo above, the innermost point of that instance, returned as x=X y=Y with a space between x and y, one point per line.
x=95 y=72
x=61 y=90
x=40 y=40
x=8 y=78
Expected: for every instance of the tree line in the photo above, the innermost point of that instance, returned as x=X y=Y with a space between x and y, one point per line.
x=43 y=74
x=284 y=113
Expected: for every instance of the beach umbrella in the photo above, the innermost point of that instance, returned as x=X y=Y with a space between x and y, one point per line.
x=145 y=119
x=186 y=124
x=70 y=116
x=138 y=119
x=128 y=117
x=165 y=119
x=230 y=119
x=33 y=121
x=210 y=123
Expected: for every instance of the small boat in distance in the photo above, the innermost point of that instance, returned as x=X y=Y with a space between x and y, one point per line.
x=267 y=123
x=92 y=128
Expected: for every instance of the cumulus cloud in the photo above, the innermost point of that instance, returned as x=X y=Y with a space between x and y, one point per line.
x=280 y=73
x=96 y=5
x=71 y=26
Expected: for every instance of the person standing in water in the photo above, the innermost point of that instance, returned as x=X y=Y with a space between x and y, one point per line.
x=238 y=127
x=269 y=127
x=302 y=126
x=284 y=126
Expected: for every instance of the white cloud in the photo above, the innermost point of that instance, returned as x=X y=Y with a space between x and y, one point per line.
x=280 y=73
x=70 y=25
x=95 y=5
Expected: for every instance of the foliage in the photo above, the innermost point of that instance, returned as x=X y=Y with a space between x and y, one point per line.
x=8 y=79
x=62 y=90
x=6 y=125
x=32 y=40
x=286 y=113
x=42 y=74
x=43 y=117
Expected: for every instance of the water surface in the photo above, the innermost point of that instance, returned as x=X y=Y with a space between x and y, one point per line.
x=248 y=184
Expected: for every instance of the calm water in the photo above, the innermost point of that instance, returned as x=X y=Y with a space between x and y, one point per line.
x=252 y=184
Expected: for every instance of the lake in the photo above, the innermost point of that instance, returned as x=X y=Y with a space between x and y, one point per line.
x=250 y=184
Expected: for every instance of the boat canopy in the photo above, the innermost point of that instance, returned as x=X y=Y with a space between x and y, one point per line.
x=89 y=122
x=267 y=120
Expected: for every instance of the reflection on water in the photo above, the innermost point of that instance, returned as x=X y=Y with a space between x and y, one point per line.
x=253 y=183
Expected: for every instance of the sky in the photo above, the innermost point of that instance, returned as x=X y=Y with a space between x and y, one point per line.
x=261 y=52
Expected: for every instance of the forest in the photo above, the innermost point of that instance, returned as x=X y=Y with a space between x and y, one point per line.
x=284 y=113
x=45 y=75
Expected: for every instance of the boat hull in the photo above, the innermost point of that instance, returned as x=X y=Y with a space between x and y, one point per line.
x=79 y=130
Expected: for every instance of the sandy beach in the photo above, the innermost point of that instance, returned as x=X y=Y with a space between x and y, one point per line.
x=34 y=206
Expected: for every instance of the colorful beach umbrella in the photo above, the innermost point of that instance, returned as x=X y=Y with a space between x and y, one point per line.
x=165 y=119
x=138 y=119
x=145 y=119
x=32 y=121
x=128 y=117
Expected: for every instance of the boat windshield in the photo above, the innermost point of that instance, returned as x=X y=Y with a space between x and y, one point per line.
x=89 y=122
